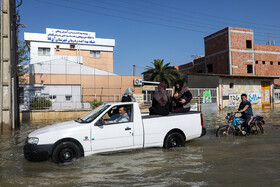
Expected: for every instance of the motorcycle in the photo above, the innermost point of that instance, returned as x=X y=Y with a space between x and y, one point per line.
x=237 y=126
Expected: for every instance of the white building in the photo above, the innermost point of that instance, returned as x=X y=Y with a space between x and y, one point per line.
x=66 y=66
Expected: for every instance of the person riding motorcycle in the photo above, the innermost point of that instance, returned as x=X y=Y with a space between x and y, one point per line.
x=245 y=108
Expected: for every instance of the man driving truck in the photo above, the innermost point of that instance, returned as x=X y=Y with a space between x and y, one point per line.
x=122 y=117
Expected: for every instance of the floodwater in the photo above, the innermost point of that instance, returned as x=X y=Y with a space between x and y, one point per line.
x=207 y=161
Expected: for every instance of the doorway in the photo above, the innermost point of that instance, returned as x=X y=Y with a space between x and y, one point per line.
x=265 y=91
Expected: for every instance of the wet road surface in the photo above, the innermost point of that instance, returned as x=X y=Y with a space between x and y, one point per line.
x=207 y=161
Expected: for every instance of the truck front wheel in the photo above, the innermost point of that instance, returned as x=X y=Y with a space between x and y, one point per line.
x=174 y=139
x=65 y=152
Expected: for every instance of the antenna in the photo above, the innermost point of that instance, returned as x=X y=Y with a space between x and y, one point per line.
x=268 y=40
x=197 y=56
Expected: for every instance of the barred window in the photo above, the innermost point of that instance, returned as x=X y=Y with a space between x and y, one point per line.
x=44 y=51
x=95 y=54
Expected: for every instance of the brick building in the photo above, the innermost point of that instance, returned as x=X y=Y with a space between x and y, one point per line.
x=232 y=51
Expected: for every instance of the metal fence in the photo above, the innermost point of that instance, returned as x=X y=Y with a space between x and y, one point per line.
x=63 y=102
x=98 y=97
x=66 y=102
x=147 y=97
x=197 y=94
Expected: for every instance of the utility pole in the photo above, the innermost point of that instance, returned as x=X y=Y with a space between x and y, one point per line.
x=9 y=115
x=134 y=70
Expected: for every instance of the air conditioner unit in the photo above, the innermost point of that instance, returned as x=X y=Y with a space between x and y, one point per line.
x=137 y=82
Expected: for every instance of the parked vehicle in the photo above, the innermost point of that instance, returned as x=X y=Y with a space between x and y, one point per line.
x=237 y=126
x=90 y=134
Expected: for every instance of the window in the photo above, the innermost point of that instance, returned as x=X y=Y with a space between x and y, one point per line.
x=44 y=51
x=57 y=48
x=257 y=62
x=118 y=114
x=95 y=54
x=263 y=62
x=72 y=46
x=249 y=44
x=52 y=97
x=199 y=71
x=68 y=97
x=210 y=68
x=249 y=68
x=271 y=63
x=231 y=85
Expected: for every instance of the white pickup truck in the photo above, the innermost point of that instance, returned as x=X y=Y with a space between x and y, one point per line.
x=101 y=131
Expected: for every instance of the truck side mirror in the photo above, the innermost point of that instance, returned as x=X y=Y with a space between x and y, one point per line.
x=100 y=122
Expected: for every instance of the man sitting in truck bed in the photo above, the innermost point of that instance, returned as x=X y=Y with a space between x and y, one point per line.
x=122 y=116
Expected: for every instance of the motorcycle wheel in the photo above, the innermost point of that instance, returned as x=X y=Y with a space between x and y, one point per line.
x=257 y=129
x=225 y=130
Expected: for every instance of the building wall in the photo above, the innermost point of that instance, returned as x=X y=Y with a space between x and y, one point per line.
x=104 y=62
x=59 y=42
x=205 y=81
x=219 y=63
x=228 y=53
x=251 y=86
x=238 y=38
x=268 y=63
x=58 y=93
x=216 y=42
x=90 y=84
x=240 y=62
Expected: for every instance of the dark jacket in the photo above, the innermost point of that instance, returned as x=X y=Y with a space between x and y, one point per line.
x=126 y=99
x=157 y=109
x=186 y=95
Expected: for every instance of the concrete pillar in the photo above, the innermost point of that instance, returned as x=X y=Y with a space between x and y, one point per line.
x=9 y=117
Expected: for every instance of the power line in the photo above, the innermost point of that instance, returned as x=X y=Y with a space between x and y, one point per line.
x=197 y=24
x=195 y=17
x=143 y=15
x=116 y=16
x=158 y=14
x=208 y=15
x=122 y=17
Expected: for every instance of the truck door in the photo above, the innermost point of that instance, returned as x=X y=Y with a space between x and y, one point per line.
x=114 y=130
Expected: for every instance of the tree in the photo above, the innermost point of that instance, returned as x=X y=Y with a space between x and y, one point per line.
x=162 y=73
x=184 y=77
x=22 y=53
x=22 y=58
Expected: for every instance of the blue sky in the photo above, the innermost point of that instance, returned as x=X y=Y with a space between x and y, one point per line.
x=153 y=29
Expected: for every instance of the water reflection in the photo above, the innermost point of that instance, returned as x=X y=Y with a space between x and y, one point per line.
x=207 y=161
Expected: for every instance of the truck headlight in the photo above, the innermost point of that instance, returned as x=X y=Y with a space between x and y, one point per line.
x=33 y=140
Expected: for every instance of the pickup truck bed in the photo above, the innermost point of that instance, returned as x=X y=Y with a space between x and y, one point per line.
x=147 y=116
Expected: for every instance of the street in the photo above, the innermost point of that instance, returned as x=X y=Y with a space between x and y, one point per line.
x=207 y=161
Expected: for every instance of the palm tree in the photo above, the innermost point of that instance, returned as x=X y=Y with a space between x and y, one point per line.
x=162 y=73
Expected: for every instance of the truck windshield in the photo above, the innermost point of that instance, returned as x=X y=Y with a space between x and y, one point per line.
x=89 y=117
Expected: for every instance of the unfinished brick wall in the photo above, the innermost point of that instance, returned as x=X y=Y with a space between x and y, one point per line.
x=267 y=64
x=219 y=63
x=238 y=41
x=241 y=41
x=218 y=43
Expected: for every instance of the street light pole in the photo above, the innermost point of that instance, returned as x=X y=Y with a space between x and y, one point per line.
x=134 y=70
x=9 y=117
